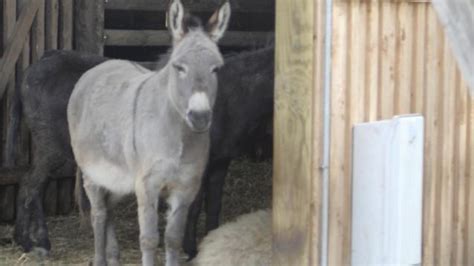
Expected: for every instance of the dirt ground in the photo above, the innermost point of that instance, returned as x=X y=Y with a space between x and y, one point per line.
x=248 y=188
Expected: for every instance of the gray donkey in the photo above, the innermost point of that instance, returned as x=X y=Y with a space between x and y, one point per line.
x=147 y=132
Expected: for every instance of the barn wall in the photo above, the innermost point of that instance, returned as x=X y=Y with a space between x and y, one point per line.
x=391 y=58
x=28 y=29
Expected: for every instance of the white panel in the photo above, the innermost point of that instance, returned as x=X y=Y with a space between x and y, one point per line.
x=387 y=192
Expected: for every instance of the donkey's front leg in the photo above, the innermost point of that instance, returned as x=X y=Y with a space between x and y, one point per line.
x=99 y=219
x=179 y=202
x=147 y=200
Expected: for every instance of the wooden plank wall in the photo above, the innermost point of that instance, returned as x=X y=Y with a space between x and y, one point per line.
x=391 y=58
x=29 y=28
x=134 y=30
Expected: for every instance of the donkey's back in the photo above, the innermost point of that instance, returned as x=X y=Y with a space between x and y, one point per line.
x=51 y=81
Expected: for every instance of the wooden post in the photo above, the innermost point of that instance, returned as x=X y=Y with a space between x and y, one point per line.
x=89 y=26
x=9 y=20
x=37 y=34
x=297 y=123
x=51 y=24
x=7 y=193
x=66 y=24
x=23 y=141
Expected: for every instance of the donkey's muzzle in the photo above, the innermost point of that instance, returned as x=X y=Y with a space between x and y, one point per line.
x=199 y=121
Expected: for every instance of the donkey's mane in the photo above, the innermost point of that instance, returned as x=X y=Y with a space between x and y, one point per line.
x=191 y=22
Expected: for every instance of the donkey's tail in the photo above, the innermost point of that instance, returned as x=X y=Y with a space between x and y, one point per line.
x=82 y=200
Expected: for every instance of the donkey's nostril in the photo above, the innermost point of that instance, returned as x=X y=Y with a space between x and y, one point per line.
x=200 y=119
x=199 y=115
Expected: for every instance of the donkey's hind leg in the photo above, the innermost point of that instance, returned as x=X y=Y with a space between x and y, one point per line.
x=179 y=202
x=97 y=199
x=112 y=247
x=29 y=208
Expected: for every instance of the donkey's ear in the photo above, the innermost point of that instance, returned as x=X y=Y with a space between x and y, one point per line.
x=218 y=22
x=175 y=20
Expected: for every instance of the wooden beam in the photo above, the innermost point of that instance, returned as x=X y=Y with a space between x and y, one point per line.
x=66 y=11
x=15 y=44
x=294 y=134
x=195 y=6
x=9 y=20
x=51 y=24
x=89 y=26
x=37 y=33
x=163 y=38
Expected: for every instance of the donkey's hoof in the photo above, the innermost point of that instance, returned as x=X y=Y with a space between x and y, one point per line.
x=40 y=252
x=98 y=262
x=25 y=243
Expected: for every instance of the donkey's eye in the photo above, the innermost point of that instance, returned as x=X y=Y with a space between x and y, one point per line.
x=181 y=69
x=215 y=69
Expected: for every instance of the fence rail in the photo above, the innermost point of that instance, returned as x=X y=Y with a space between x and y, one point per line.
x=195 y=6
x=163 y=38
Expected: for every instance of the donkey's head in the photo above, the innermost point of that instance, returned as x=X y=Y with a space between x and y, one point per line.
x=194 y=63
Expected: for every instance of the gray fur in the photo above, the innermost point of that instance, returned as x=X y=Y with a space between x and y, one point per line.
x=139 y=131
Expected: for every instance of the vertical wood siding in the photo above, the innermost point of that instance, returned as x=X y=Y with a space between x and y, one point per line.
x=50 y=26
x=392 y=58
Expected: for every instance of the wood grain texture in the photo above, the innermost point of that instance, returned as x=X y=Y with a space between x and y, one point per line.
x=9 y=20
x=15 y=44
x=51 y=24
x=459 y=238
x=89 y=26
x=388 y=59
x=401 y=64
x=23 y=139
x=293 y=139
x=470 y=184
x=318 y=101
x=38 y=33
x=7 y=193
x=405 y=54
x=447 y=161
x=373 y=60
x=432 y=149
x=66 y=24
x=339 y=175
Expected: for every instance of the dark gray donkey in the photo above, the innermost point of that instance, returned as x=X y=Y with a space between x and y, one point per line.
x=141 y=131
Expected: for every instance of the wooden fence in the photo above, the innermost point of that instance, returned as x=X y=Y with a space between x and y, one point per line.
x=29 y=27
x=127 y=29
x=388 y=58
